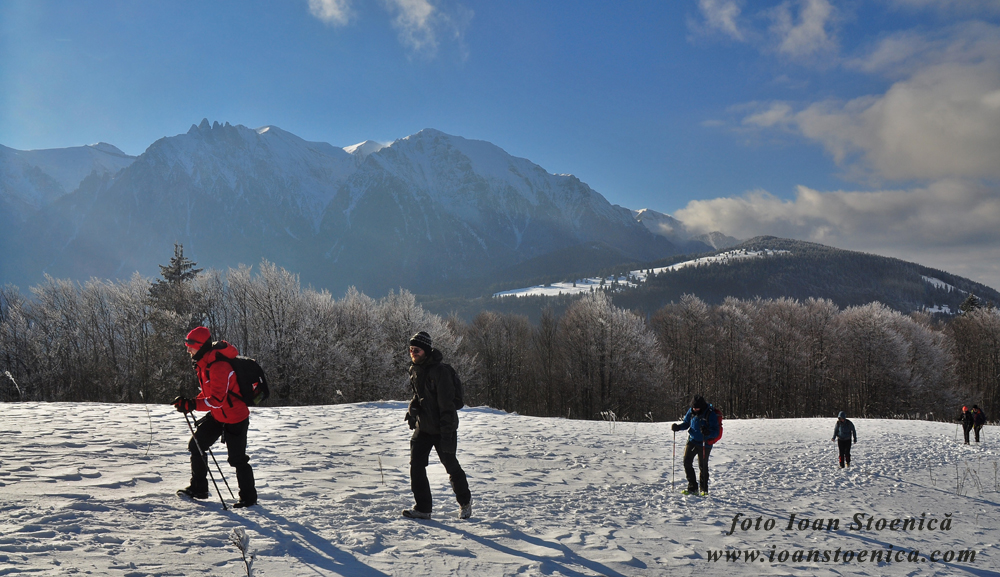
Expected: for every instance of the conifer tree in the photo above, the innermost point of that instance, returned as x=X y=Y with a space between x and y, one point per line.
x=971 y=303
x=171 y=292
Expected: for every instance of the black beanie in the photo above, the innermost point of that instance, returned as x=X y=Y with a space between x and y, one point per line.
x=422 y=340
x=698 y=402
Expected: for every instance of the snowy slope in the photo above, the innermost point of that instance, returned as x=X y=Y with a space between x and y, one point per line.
x=584 y=285
x=31 y=179
x=84 y=490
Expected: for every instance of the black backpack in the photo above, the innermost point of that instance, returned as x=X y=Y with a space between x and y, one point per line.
x=251 y=379
x=459 y=399
x=459 y=394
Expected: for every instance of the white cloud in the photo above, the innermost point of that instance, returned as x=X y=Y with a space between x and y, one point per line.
x=807 y=34
x=420 y=24
x=949 y=224
x=333 y=12
x=723 y=15
x=941 y=120
x=798 y=30
x=414 y=19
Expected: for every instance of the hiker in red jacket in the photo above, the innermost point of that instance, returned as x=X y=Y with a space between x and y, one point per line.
x=227 y=413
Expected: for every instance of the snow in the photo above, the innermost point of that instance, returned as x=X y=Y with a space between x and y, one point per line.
x=584 y=285
x=86 y=489
x=940 y=284
x=364 y=148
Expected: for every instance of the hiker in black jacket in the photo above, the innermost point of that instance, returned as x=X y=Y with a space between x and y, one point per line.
x=434 y=419
x=967 y=420
x=842 y=433
x=978 y=420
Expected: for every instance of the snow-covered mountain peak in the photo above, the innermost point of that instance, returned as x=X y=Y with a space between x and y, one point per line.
x=107 y=148
x=363 y=149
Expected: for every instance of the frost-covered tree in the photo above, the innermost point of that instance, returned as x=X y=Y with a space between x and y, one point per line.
x=611 y=359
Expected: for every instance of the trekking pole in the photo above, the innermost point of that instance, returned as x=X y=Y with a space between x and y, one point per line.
x=211 y=454
x=202 y=451
x=673 y=461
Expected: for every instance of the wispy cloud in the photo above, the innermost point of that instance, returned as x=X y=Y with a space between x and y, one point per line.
x=421 y=25
x=723 y=15
x=804 y=32
x=415 y=20
x=798 y=30
x=332 y=12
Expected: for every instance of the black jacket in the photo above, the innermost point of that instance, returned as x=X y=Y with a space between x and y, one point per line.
x=433 y=402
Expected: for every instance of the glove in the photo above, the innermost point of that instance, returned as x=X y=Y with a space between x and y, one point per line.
x=675 y=427
x=184 y=405
x=704 y=428
x=449 y=443
x=410 y=420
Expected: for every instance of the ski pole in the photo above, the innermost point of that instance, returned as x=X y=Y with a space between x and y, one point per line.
x=203 y=456
x=211 y=454
x=673 y=462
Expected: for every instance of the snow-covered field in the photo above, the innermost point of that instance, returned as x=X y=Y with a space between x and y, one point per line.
x=82 y=492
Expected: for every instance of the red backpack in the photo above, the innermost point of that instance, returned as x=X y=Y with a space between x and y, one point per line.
x=715 y=439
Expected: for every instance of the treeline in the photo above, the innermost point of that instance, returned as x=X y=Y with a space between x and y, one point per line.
x=122 y=342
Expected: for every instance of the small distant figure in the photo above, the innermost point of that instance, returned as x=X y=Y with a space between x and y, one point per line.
x=978 y=420
x=843 y=432
x=967 y=419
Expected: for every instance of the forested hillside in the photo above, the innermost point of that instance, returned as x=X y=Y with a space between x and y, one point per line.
x=122 y=342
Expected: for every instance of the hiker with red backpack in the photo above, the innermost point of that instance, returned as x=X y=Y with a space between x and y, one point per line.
x=227 y=414
x=704 y=425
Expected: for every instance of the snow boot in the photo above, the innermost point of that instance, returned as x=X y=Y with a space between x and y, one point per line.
x=466 y=511
x=415 y=514
x=193 y=494
x=242 y=504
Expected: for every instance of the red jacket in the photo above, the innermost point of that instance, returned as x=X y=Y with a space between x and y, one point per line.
x=217 y=379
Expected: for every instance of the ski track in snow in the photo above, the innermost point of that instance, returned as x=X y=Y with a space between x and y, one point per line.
x=80 y=495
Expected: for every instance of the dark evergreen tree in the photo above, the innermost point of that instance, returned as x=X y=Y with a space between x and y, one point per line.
x=971 y=303
x=172 y=292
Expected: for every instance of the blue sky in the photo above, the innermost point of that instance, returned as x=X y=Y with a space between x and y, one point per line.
x=868 y=125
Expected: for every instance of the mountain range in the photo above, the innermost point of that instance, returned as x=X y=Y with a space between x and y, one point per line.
x=430 y=212
x=433 y=213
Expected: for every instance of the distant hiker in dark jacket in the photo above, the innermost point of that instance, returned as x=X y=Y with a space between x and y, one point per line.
x=978 y=420
x=843 y=431
x=228 y=415
x=434 y=419
x=967 y=419
x=702 y=424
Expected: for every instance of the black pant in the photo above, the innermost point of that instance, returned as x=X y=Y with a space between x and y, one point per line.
x=965 y=429
x=976 y=429
x=420 y=450
x=845 y=451
x=208 y=432
x=702 y=451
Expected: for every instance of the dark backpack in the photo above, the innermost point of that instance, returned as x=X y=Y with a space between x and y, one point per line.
x=251 y=379
x=459 y=399
x=719 y=436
